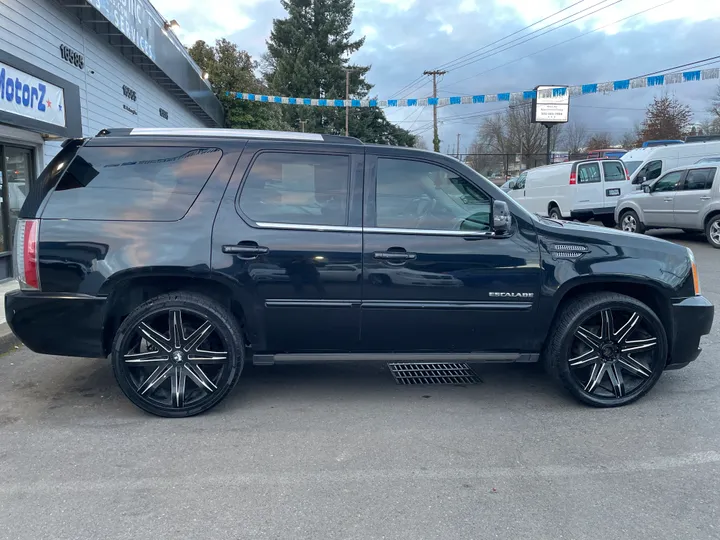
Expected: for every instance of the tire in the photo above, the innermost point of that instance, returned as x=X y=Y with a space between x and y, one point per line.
x=712 y=231
x=554 y=212
x=169 y=374
x=630 y=222
x=606 y=374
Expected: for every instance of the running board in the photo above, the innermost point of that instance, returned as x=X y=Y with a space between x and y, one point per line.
x=288 y=358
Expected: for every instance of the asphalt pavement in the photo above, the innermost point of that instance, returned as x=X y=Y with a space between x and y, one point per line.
x=340 y=451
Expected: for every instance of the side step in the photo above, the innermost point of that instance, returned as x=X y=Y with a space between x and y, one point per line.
x=270 y=359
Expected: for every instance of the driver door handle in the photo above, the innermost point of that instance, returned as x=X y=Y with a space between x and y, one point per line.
x=668 y=199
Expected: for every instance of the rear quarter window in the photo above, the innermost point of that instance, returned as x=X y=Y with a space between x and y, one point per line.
x=132 y=183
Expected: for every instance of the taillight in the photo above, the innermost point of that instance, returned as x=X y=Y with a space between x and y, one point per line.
x=573 y=178
x=627 y=175
x=26 y=253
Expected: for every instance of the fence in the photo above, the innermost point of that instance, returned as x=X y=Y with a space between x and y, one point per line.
x=500 y=167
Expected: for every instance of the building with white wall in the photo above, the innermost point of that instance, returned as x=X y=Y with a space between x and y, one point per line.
x=69 y=68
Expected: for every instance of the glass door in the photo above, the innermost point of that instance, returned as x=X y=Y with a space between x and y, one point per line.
x=16 y=174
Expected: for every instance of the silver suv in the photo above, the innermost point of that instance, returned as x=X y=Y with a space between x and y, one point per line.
x=686 y=198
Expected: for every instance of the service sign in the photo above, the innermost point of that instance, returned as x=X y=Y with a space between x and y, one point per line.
x=551 y=105
x=28 y=96
x=133 y=19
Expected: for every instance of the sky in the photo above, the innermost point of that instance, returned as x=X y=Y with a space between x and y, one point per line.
x=485 y=48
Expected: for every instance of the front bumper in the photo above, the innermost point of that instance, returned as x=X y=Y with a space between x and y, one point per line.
x=56 y=323
x=693 y=319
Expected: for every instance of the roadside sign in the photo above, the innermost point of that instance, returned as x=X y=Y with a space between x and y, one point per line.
x=551 y=105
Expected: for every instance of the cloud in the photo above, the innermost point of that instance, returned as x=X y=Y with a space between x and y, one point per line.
x=406 y=37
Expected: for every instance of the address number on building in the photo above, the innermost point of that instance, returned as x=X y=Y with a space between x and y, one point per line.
x=129 y=93
x=72 y=56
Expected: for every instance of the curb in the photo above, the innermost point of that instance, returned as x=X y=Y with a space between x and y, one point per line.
x=8 y=340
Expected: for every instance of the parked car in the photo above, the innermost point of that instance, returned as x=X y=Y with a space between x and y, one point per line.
x=611 y=153
x=686 y=198
x=204 y=249
x=661 y=142
x=714 y=159
x=654 y=161
x=582 y=190
x=507 y=186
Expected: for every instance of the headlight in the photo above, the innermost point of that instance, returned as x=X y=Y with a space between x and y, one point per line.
x=696 y=278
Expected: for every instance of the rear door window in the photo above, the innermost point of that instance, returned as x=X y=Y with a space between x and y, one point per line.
x=614 y=171
x=289 y=188
x=699 y=179
x=132 y=183
x=588 y=173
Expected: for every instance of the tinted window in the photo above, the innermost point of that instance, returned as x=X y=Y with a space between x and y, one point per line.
x=651 y=171
x=699 y=179
x=308 y=189
x=520 y=184
x=668 y=182
x=416 y=195
x=614 y=171
x=588 y=173
x=132 y=183
x=632 y=165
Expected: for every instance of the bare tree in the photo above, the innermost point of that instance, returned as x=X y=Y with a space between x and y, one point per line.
x=512 y=132
x=715 y=106
x=420 y=143
x=599 y=141
x=575 y=137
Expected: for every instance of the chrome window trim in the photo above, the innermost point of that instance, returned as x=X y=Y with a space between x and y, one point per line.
x=380 y=230
x=224 y=132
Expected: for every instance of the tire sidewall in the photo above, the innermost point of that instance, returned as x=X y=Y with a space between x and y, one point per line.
x=153 y=307
x=707 y=231
x=554 y=213
x=639 y=228
x=564 y=372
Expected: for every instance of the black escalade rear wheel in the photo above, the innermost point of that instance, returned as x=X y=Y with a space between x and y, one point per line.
x=607 y=349
x=178 y=354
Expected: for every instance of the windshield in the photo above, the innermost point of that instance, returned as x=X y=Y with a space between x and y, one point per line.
x=631 y=166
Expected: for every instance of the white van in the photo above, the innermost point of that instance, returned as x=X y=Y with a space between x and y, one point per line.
x=583 y=190
x=645 y=164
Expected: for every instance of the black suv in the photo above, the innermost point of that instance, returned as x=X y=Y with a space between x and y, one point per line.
x=182 y=253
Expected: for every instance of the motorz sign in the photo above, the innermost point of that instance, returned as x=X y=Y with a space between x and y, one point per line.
x=25 y=95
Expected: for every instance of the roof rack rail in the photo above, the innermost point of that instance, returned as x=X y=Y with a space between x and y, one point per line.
x=227 y=133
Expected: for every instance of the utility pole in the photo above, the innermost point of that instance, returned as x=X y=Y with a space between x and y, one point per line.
x=436 y=137
x=458 y=146
x=347 y=97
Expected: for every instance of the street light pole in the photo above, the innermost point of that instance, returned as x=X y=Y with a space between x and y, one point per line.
x=436 y=137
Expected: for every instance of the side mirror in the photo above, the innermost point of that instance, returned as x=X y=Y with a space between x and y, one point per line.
x=502 y=219
x=646 y=188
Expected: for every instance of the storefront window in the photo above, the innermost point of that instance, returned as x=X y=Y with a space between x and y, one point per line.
x=16 y=173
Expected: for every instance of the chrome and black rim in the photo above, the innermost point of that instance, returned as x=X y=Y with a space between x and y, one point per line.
x=614 y=354
x=629 y=223
x=714 y=232
x=175 y=359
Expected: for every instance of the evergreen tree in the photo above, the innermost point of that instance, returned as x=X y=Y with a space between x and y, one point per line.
x=232 y=70
x=308 y=56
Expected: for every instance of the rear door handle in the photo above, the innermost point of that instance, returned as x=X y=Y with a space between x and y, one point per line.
x=705 y=198
x=669 y=199
x=394 y=255
x=245 y=250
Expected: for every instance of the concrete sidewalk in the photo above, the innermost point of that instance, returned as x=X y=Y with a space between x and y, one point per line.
x=7 y=339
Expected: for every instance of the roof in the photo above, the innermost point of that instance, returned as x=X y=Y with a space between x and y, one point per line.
x=226 y=133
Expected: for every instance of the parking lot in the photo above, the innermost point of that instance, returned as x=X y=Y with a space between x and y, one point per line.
x=340 y=451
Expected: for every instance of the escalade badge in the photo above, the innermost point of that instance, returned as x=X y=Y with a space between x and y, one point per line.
x=511 y=294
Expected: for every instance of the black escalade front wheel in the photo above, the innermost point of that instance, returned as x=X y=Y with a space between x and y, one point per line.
x=607 y=349
x=178 y=354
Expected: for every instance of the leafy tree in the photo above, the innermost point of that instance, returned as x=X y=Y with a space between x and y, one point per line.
x=598 y=141
x=666 y=118
x=308 y=56
x=232 y=70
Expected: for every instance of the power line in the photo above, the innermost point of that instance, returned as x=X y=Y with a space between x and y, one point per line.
x=448 y=64
x=563 y=42
x=517 y=42
x=689 y=64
